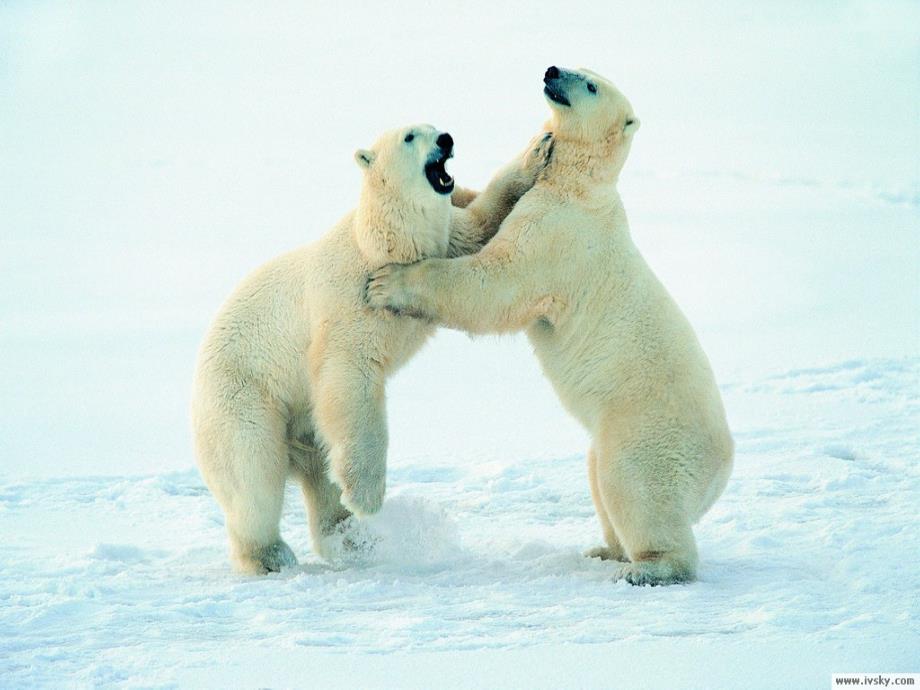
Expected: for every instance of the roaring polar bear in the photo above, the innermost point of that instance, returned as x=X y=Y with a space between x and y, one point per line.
x=290 y=377
x=622 y=357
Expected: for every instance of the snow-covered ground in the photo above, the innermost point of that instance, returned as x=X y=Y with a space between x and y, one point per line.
x=151 y=154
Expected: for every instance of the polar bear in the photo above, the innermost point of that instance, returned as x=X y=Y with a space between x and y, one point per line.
x=618 y=351
x=290 y=377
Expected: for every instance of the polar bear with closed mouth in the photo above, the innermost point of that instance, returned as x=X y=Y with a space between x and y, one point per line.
x=620 y=354
x=290 y=377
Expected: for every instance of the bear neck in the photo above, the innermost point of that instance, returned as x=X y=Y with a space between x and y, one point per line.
x=583 y=167
x=389 y=228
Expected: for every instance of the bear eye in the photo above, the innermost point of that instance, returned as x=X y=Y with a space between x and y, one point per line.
x=592 y=88
x=409 y=137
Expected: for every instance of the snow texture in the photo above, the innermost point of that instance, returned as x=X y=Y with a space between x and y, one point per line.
x=152 y=153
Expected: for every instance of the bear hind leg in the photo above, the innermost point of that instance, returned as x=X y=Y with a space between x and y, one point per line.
x=256 y=545
x=613 y=551
x=652 y=523
x=246 y=466
x=673 y=566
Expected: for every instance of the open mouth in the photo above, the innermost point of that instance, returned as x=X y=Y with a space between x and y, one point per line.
x=437 y=175
x=555 y=96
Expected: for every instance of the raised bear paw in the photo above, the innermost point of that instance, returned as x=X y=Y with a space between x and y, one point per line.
x=364 y=495
x=532 y=162
x=389 y=288
x=538 y=153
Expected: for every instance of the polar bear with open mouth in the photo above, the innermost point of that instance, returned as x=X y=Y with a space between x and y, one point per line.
x=290 y=377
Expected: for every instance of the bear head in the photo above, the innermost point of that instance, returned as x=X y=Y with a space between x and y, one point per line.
x=410 y=159
x=590 y=113
x=404 y=211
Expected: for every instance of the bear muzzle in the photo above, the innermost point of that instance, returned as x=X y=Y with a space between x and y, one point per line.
x=437 y=175
x=554 y=88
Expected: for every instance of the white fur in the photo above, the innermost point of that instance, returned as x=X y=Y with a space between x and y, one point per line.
x=620 y=354
x=290 y=377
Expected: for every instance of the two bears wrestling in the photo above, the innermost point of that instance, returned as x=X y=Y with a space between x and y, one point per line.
x=290 y=379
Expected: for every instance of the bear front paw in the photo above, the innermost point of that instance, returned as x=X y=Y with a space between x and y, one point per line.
x=364 y=497
x=384 y=287
x=388 y=288
x=537 y=155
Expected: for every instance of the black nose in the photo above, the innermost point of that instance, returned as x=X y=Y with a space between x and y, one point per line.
x=551 y=73
x=445 y=141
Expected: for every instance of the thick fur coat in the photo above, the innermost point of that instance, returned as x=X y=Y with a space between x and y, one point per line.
x=290 y=378
x=620 y=354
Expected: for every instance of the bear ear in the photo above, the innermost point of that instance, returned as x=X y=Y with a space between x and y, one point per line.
x=364 y=158
x=631 y=125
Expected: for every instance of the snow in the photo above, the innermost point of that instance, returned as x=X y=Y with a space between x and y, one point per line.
x=809 y=546
x=153 y=153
